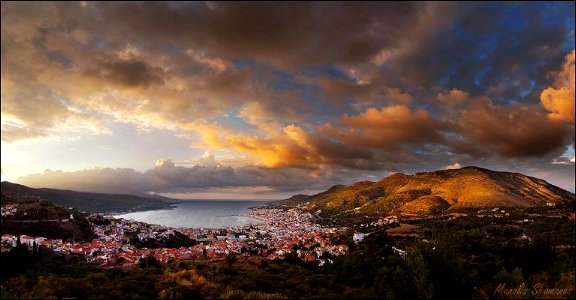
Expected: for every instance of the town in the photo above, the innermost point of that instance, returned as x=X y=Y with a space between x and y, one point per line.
x=280 y=232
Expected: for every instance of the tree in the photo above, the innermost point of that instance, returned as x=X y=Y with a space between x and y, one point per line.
x=149 y=261
x=231 y=259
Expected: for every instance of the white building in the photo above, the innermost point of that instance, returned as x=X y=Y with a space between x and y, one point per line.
x=358 y=237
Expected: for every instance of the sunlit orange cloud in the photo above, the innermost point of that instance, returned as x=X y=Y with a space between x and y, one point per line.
x=285 y=88
x=559 y=99
x=453 y=97
x=386 y=127
x=129 y=83
x=287 y=148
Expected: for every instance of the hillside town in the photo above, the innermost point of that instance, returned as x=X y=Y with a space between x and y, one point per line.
x=280 y=232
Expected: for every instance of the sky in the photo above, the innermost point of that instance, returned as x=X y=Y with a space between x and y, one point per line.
x=267 y=100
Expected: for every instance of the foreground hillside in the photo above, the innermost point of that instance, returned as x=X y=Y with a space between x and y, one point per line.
x=36 y=217
x=88 y=202
x=463 y=258
x=435 y=192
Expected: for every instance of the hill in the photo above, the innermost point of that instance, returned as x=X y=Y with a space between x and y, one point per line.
x=434 y=192
x=37 y=217
x=88 y=202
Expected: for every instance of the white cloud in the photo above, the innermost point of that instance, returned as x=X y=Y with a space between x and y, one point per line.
x=163 y=163
x=207 y=159
x=563 y=161
x=453 y=166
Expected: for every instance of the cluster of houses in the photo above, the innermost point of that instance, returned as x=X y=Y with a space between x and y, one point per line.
x=286 y=230
x=495 y=212
x=9 y=210
x=281 y=232
x=10 y=241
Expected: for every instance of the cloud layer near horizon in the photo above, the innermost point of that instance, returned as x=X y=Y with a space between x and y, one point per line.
x=262 y=183
x=385 y=88
x=167 y=177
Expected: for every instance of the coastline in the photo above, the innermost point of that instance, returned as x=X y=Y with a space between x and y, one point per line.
x=135 y=210
x=197 y=214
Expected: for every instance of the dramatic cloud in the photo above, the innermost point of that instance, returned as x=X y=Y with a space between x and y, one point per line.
x=278 y=33
x=167 y=177
x=290 y=146
x=453 y=97
x=513 y=132
x=131 y=73
x=284 y=89
x=11 y=133
x=387 y=128
x=559 y=100
x=514 y=50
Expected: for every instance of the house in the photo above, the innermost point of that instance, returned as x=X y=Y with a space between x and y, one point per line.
x=29 y=241
x=309 y=257
x=400 y=252
x=358 y=237
x=8 y=239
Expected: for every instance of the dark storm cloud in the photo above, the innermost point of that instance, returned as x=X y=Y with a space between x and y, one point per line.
x=298 y=86
x=57 y=56
x=280 y=33
x=480 y=49
x=129 y=73
x=513 y=132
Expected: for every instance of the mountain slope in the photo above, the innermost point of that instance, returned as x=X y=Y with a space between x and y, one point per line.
x=36 y=217
x=433 y=192
x=26 y=212
x=88 y=202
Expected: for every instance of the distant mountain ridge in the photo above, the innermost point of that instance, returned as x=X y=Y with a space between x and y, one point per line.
x=433 y=192
x=84 y=201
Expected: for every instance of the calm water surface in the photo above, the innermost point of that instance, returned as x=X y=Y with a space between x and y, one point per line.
x=199 y=214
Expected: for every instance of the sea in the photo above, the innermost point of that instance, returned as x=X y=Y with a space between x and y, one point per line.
x=199 y=214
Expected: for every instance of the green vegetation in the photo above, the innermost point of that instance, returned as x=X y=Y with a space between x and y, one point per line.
x=475 y=253
x=466 y=257
x=174 y=240
x=42 y=218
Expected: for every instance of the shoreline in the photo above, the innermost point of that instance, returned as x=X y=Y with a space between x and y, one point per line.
x=194 y=218
x=112 y=214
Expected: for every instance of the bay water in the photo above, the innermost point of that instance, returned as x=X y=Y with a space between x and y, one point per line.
x=199 y=214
